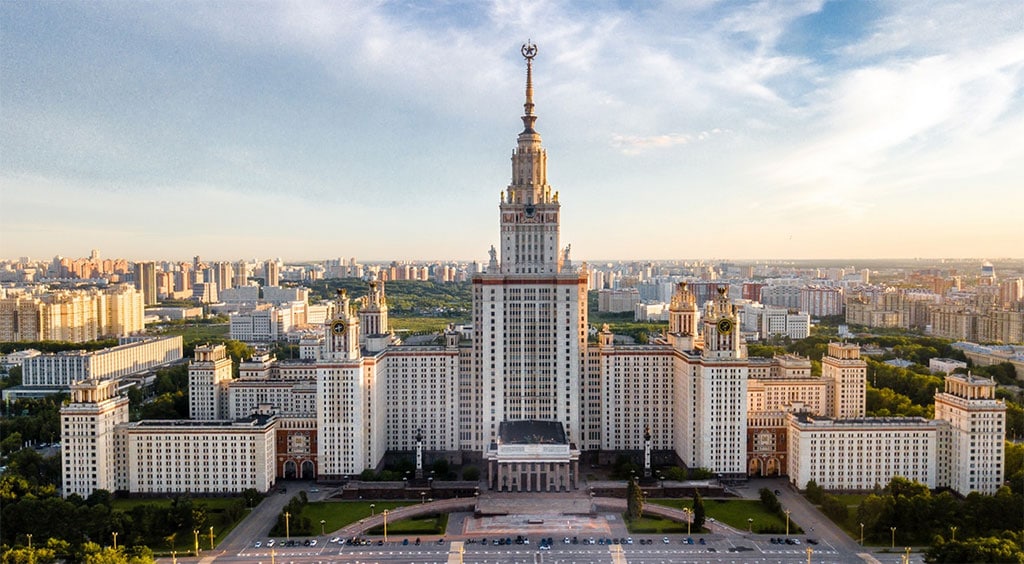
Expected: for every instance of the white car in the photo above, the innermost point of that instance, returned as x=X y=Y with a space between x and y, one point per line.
x=258 y=544
x=270 y=542
x=312 y=542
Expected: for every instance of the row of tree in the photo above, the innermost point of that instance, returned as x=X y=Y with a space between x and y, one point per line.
x=910 y=513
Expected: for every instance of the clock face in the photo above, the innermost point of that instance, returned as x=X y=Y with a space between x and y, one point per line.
x=338 y=327
x=530 y=210
x=725 y=326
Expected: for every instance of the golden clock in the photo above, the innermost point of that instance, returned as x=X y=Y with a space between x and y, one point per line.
x=725 y=326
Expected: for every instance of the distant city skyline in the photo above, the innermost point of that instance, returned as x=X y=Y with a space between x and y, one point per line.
x=312 y=130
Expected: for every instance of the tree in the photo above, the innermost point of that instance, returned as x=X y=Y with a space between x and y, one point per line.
x=634 y=501
x=471 y=473
x=699 y=513
x=814 y=492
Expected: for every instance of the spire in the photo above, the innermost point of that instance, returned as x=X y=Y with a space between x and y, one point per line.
x=529 y=51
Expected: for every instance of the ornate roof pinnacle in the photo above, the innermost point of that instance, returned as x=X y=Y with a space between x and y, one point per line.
x=529 y=51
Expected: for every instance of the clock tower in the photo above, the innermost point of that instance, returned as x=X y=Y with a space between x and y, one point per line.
x=342 y=330
x=722 y=338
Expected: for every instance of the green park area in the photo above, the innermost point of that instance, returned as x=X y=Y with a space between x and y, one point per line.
x=337 y=514
x=736 y=512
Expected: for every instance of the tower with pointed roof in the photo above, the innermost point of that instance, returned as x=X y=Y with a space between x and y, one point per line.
x=529 y=307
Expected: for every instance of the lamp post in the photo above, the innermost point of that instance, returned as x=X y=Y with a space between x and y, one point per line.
x=272 y=554
x=862 y=534
x=689 y=518
x=810 y=551
x=893 y=530
x=906 y=556
x=174 y=557
x=211 y=537
x=196 y=532
x=953 y=528
x=29 y=535
x=750 y=525
x=114 y=534
x=423 y=497
x=372 y=507
x=322 y=523
x=787 y=523
x=287 y=527
x=385 y=514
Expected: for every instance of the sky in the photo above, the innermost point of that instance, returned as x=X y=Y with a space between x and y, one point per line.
x=384 y=130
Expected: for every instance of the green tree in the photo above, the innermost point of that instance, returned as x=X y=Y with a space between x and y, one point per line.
x=699 y=513
x=634 y=501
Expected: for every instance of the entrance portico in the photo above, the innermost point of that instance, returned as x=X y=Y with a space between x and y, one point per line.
x=532 y=456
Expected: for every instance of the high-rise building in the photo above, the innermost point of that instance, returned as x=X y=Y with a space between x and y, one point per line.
x=271 y=273
x=971 y=454
x=529 y=306
x=90 y=453
x=208 y=376
x=846 y=375
x=145 y=281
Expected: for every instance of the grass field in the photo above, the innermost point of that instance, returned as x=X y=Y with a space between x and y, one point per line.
x=735 y=512
x=337 y=514
x=656 y=526
x=422 y=325
x=198 y=332
x=423 y=525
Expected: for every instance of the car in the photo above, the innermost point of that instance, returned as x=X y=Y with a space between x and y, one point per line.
x=565 y=540
x=575 y=540
x=629 y=540
x=306 y=542
x=526 y=541
x=258 y=544
x=777 y=492
x=270 y=542
x=789 y=541
x=312 y=542
x=314 y=490
x=812 y=541
x=665 y=540
x=796 y=541
x=417 y=541
x=405 y=542
x=701 y=541
x=440 y=541
x=689 y=540
x=544 y=547
x=600 y=541
x=335 y=539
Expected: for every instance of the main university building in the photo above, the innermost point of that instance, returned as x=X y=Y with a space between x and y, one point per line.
x=528 y=393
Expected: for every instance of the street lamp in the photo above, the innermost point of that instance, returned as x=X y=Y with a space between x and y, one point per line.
x=862 y=534
x=211 y=537
x=372 y=506
x=750 y=525
x=906 y=556
x=29 y=535
x=810 y=551
x=287 y=528
x=322 y=523
x=196 y=531
x=689 y=518
x=787 y=523
x=385 y=514
x=423 y=497
x=174 y=557
x=272 y=554
x=953 y=528
x=893 y=529
x=114 y=533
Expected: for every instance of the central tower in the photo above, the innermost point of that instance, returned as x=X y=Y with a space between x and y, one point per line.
x=529 y=209
x=529 y=308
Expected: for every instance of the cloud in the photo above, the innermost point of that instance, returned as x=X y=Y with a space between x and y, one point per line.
x=633 y=145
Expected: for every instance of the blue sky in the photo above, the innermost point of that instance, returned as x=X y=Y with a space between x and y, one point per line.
x=700 y=129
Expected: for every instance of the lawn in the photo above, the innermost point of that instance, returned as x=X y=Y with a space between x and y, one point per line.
x=735 y=512
x=422 y=325
x=337 y=514
x=435 y=524
x=198 y=332
x=655 y=525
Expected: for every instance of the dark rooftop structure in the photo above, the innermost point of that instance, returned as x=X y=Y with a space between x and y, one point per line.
x=529 y=432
